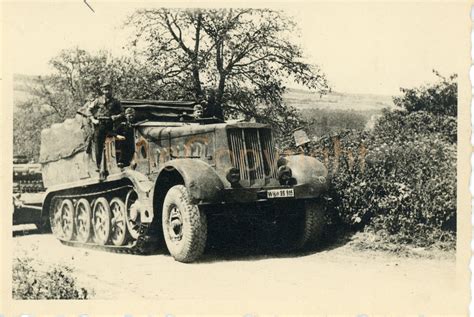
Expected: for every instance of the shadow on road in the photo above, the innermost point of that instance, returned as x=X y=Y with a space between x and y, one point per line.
x=250 y=243
x=237 y=242
x=25 y=230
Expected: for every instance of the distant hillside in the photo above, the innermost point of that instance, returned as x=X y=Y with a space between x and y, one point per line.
x=302 y=99
x=20 y=87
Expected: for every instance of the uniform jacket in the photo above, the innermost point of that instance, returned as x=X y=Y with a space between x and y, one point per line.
x=102 y=107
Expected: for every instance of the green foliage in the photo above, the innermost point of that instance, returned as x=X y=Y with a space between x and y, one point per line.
x=405 y=186
x=75 y=79
x=439 y=98
x=399 y=179
x=55 y=283
x=28 y=121
x=236 y=58
x=402 y=125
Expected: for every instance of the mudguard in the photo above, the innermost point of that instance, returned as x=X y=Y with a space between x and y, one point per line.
x=308 y=172
x=200 y=179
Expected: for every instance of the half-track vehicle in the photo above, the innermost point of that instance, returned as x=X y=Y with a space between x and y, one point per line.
x=28 y=192
x=26 y=176
x=183 y=170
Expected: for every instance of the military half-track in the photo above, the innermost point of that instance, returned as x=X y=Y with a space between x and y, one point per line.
x=28 y=192
x=26 y=176
x=183 y=170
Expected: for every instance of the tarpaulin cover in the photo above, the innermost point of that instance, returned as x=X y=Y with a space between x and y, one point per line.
x=64 y=139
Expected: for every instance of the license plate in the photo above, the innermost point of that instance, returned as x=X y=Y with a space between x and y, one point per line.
x=280 y=193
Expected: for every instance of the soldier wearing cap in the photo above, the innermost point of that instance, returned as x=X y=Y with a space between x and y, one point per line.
x=210 y=107
x=104 y=111
x=127 y=146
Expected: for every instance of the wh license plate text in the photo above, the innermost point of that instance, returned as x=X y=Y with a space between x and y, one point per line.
x=280 y=193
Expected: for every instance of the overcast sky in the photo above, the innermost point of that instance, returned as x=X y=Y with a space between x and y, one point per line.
x=361 y=48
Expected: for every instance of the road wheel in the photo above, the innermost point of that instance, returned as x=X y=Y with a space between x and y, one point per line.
x=312 y=224
x=83 y=220
x=101 y=221
x=184 y=225
x=118 y=221
x=67 y=219
x=132 y=206
x=55 y=217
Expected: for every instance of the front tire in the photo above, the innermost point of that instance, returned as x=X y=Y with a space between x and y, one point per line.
x=312 y=224
x=184 y=225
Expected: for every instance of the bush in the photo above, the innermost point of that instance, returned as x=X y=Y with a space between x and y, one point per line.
x=439 y=98
x=399 y=179
x=403 y=125
x=55 y=283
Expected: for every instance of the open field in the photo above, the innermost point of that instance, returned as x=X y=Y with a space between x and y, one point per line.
x=337 y=101
x=299 y=98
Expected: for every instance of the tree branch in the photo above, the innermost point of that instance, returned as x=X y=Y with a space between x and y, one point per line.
x=177 y=38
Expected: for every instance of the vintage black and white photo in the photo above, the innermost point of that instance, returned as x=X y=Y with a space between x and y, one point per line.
x=229 y=158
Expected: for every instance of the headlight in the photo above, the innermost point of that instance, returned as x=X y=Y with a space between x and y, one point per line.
x=284 y=174
x=233 y=175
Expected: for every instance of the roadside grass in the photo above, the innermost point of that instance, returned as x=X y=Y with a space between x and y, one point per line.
x=31 y=280
x=369 y=240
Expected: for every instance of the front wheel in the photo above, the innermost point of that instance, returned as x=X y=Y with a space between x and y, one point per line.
x=184 y=225
x=312 y=224
x=299 y=226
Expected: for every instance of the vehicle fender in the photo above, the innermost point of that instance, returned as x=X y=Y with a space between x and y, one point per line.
x=306 y=169
x=140 y=181
x=200 y=179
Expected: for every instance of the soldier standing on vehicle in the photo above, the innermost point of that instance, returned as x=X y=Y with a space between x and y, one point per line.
x=127 y=146
x=104 y=111
x=211 y=108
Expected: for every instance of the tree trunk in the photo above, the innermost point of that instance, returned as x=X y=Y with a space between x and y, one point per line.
x=195 y=68
x=220 y=90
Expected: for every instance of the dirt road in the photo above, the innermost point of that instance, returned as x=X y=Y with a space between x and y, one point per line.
x=360 y=278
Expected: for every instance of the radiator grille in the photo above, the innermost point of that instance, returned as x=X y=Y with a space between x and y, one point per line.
x=253 y=153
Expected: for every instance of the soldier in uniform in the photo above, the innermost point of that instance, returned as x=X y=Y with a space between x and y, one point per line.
x=198 y=111
x=210 y=107
x=303 y=143
x=125 y=129
x=104 y=111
